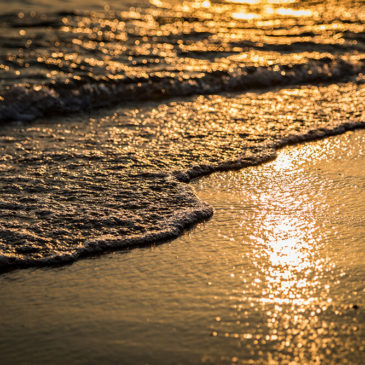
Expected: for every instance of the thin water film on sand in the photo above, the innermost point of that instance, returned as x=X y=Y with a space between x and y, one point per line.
x=275 y=277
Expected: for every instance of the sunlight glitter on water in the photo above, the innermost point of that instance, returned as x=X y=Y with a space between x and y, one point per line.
x=95 y=54
x=276 y=277
x=296 y=276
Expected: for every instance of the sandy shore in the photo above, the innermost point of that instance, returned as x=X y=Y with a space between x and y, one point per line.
x=276 y=275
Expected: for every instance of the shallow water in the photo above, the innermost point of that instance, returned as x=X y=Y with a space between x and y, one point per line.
x=276 y=276
x=78 y=186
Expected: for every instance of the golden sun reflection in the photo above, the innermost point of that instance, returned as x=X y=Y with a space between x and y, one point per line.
x=287 y=247
x=157 y=3
x=288 y=242
x=244 y=16
x=253 y=9
x=288 y=12
x=252 y=2
x=283 y=162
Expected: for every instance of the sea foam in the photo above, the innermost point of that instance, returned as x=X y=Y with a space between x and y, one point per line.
x=118 y=180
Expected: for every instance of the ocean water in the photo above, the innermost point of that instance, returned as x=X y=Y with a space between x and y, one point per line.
x=108 y=109
x=111 y=110
x=275 y=277
x=68 y=56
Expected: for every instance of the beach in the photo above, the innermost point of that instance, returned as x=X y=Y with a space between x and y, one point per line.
x=276 y=276
x=80 y=185
x=182 y=182
x=108 y=110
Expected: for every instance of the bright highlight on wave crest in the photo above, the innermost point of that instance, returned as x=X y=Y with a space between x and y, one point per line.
x=73 y=61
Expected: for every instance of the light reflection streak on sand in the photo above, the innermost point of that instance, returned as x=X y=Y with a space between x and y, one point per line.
x=288 y=239
x=293 y=293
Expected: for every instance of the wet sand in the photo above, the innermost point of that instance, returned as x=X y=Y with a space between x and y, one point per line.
x=276 y=276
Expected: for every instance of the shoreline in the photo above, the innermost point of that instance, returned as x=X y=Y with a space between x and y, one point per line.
x=285 y=246
x=116 y=179
x=186 y=220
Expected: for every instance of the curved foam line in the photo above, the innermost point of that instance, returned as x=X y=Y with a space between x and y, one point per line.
x=183 y=219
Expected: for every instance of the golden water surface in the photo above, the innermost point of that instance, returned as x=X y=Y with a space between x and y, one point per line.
x=275 y=277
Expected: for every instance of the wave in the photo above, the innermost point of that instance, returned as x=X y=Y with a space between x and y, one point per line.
x=26 y=103
x=117 y=179
x=110 y=186
x=29 y=254
x=59 y=62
